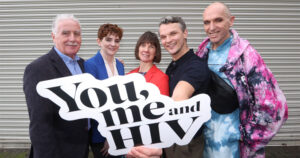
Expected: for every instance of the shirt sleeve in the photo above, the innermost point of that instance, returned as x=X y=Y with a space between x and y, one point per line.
x=267 y=107
x=197 y=74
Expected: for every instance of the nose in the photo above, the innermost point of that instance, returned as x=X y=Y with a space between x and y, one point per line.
x=144 y=48
x=147 y=48
x=72 y=37
x=168 y=39
x=212 y=26
x=113 y=43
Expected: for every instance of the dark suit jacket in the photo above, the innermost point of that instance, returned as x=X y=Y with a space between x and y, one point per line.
x=51 y=136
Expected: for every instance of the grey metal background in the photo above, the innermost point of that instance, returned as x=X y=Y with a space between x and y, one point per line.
x=272 y=27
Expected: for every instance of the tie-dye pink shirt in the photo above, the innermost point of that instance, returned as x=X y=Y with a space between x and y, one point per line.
x=263 y=107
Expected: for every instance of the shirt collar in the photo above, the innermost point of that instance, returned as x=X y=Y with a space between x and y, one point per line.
x=66 y=58
x=183 y=58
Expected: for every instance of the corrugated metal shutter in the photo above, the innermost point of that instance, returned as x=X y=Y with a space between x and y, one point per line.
x=273 y=27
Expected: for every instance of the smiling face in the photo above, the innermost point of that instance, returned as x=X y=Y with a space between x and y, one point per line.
x=67 y=38
x=109 y=44
x=217 y=22
x=173 y=39
x=147 y=52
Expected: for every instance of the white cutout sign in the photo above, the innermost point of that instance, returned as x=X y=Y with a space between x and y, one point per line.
x=130 y=111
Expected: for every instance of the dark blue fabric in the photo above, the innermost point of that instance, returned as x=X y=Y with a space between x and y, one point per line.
x=50 y=135
x=189 y=68
x=96 y=67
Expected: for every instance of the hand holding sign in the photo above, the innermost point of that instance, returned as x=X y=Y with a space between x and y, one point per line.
x=129 y=110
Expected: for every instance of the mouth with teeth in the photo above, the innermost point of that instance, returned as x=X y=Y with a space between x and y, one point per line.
x=146 y=54
x=112 y=49
x=170 y=46
x=213 y=34
x=72 y=44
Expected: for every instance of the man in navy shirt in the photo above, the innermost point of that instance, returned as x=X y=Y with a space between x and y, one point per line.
x=188 y=76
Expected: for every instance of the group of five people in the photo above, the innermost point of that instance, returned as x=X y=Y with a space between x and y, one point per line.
x=242 y=131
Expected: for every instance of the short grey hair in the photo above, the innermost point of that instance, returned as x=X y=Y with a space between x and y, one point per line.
x=173 y=19
x=60 y=17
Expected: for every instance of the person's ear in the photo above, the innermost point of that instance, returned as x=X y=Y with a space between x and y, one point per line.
x=99 y=42
x=53 y=36
x=231 y=20
x=185 y=33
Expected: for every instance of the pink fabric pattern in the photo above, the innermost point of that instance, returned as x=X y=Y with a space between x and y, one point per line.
x=263 y=107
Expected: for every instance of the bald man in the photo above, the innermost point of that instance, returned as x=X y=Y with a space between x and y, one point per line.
x=242 y=125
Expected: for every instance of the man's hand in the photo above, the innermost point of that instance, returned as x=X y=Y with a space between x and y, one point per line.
x=144 y=152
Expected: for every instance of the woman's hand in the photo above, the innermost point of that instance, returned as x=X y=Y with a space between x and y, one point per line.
x=105 y=148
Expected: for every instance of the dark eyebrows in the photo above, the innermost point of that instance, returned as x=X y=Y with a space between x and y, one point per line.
x=206 y=22
x=173 y=32
x=218 y=19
